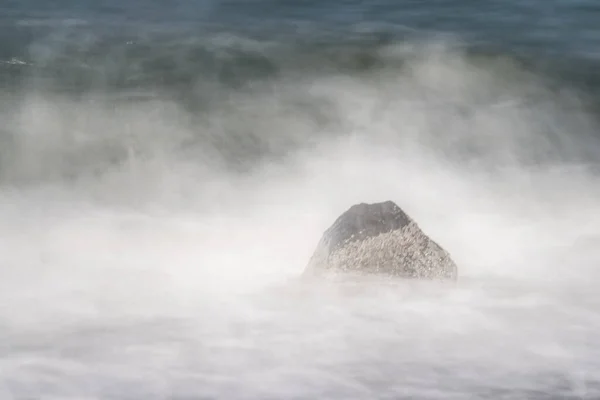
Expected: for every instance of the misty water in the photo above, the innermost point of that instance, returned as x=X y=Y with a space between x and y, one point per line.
x=162 y=189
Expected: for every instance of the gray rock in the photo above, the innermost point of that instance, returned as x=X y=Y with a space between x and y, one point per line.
x=380 y=239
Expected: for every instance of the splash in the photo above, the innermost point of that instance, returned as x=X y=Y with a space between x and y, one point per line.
x=151 y=250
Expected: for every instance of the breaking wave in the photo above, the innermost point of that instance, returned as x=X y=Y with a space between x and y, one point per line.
x=158 y=190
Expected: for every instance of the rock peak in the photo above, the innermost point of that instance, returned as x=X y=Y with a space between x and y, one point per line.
x=365 y=220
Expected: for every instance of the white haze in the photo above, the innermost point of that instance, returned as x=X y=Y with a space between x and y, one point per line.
x=169 y=278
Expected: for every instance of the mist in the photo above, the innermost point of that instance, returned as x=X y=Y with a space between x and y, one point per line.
x=148 y=251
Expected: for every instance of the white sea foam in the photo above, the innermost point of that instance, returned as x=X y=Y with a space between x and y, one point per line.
x=163 y=275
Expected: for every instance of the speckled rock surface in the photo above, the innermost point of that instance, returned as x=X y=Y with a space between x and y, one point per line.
x=380 y=239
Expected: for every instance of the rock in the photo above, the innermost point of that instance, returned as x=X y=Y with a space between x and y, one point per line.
x=380 y=239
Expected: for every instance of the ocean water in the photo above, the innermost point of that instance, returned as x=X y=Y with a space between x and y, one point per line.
x=167 y=169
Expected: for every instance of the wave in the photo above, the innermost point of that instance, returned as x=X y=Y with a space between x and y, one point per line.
x=162 y=191
x=86 y=105
x=79 y=55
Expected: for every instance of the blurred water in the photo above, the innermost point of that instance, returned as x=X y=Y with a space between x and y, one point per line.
x=166 y=171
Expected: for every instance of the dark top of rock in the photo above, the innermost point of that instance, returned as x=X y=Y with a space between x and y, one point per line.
x=366 y=220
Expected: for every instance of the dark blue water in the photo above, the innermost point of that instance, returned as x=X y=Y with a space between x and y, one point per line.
x=199 y=54
x=167 y=167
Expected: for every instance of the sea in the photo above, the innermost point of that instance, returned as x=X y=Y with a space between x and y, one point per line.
x=167 y=169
